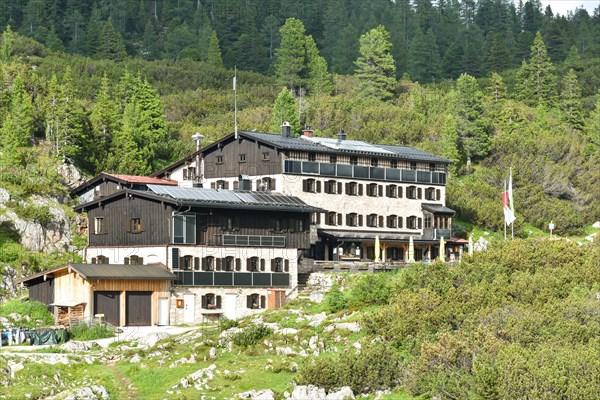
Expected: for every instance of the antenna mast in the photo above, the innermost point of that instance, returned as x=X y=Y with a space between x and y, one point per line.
x=235 y=102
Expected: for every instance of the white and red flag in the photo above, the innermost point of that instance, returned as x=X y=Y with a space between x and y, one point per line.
x=507 y=203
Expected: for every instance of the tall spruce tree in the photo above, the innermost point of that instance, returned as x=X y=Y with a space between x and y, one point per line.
x=593 y=125
x=536 y=79
x=290 y=59
x=471 y=124
x=111 y=45
x=424 y=60
x=375 y=68
x=17 y=129
x=6 y=45
x=104 y=122
x=285 y=110
x=570 y=100
x=214 y=52
x=318 y=81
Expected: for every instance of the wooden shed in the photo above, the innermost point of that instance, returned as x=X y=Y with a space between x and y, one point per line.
x=124 y=295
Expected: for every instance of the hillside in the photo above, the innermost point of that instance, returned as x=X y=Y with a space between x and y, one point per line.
x=518 y=321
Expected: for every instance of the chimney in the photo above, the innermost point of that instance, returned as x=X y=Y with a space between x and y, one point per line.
x=286 y=129
x=308 y=132
x=341 y=136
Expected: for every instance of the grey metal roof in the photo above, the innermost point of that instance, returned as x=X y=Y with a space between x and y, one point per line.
x=109 y=271
x=437 y=209
x=335 y=146
x=123 y=272
x=233 y=198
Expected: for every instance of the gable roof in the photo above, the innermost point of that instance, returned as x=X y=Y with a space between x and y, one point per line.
x=317 y=145
x=122 y=179
x=211 y=198
x=109 y=272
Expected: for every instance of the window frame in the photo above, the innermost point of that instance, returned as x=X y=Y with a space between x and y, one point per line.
x=185 y=229
x=100 y=226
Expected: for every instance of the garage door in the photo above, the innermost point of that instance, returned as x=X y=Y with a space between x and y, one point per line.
x=139 y=308
x=108 y=303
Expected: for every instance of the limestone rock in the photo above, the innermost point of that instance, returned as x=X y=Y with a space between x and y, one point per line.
x=351 y=326
x=151 y=339
x=4 y=196
x=135 y=359
x=317 y=319
x=308 y=392
x=266 y=394
x=212 y=353
x=75 y=346
x=345 y=393
x=316 y=297
x=289 y=331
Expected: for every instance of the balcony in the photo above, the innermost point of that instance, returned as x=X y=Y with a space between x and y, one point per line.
x=227 y=278
x=253 y=240
x=437 y=233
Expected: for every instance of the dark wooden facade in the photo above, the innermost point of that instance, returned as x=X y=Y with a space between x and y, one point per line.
x=242 y=157
x=42 y=290
x=155 y=227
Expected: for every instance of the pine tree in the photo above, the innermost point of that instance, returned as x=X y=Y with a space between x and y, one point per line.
x=375 y=68
x=536 y=79
x=571 y=101
x=318 y=81
x=424 y=60
x=290 y=59
x=111 y=45
x=126 y=157
x=53 y=42
x=17 y=129
x=285 y=110
x=345 y=51
x=214 y=52
x=150 y=49
x=6 y=47
x=472 y=128
x=593 y=124
x=104 y=122
x=496 y=89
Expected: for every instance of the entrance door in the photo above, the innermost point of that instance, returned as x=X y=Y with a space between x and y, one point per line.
x=229 y=309
x=138 y=308
x=189 y=309
x=163 y=311
x=108 y=303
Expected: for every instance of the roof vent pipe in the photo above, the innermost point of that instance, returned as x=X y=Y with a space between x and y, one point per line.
x=286 y=129
x=342 y=135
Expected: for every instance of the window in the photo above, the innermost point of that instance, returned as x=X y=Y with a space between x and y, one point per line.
x=242 y=158
x=211 y=301
x=332 y=159
x=430 y=193
x=312 y=157
x=228 y=265
x=372 y=190
x=331 y=218
x=267 y=184
x=134 y=260
x=391 y=191
x=394 y=164
x=186 y=263
x=189 y=173
x=220 y=184
x=280 y=265
x=208 y=263
x=427 y=222
x=99 y=226
x=100 y=260
x=413 y=165
x=374 y=162
x=256 y=301
x=331 y=187
x=266 y=156
x=184 y=228
x=219 y=159
x=353 y=189
x=315 y=218
x=372 y=220
x=311 y=185
x=400 y=222
x=352 y=219
x=135 y=225
x=411 y=222
x=392 y=221
x=252 y=264
x=431 y=166
x=411 y=192
x=353 y=160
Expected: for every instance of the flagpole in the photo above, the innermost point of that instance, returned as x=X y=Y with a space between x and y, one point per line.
x=505 y=214
x=235 y=102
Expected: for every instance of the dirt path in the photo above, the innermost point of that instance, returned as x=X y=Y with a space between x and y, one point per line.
x=127 y=390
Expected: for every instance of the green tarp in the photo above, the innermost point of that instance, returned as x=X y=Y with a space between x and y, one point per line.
x=53 y=336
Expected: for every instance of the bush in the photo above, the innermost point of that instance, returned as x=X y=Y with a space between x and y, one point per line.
x=378 y=366
x=371 y=289
x=37 y=311
x=85 y=332
x=335 y=299
x=226 y=323
x=251 y=335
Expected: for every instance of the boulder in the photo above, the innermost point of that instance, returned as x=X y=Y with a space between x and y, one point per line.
x=135 y=359
x=4 y=196
x=316 y=297
x=75 y=346
x=289 y=331
x=308 y=392
x=151 y=339
x=317 y=319
x=351 y=326
x=266 y=394
x=345 y=393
